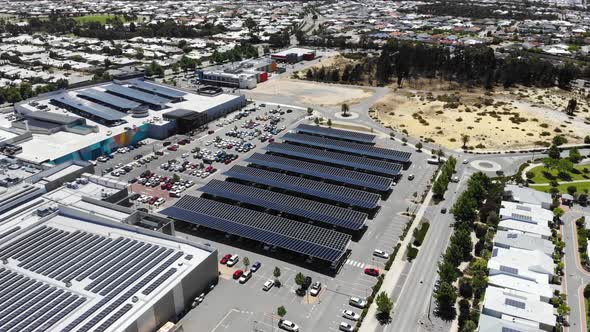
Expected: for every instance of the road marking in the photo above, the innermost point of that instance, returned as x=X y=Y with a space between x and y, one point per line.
x=355 y=263
x=224 y=317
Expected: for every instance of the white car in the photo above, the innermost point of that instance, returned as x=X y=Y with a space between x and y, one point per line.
x=349 y=314
x=268 y=285
x=245 y=277
x=380 y=253
x=465 y=161
x=357 y=302
x=344 y=326
x=234 y=259
x=288 y=325
x=315 y=288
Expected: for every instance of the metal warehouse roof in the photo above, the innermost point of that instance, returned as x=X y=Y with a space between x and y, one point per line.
x=154 y=88
x=144 y=97
x=336 y=158
x=356 y=148
x=293 y=205
x=284 y=233
x=330 y=192
x=88 y=107
x=108 y=98
x=336 y=133
x=323 y=172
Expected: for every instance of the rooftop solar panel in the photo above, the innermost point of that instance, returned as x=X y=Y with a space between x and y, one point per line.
x=344 y=195
x=336 y=133
x=88 y=107
x=154 y=88
x=323 y=172
x=137 y=95
x=305 y=208
x=305 y=239
x=336 y=158
x=356 y=148
x=107 y=98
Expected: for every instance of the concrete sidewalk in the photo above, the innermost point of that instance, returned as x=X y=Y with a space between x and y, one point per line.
x=370 y=323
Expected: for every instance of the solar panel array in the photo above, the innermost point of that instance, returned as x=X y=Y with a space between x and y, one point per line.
x=108 y=266
x=107 y=98
x=293 y=205
x=355 y=148
x=136 y=94
x=335 y=158
x=157 y=89
x=336 y=133
x=298 y=185
x=284 y=233
x=88 y=107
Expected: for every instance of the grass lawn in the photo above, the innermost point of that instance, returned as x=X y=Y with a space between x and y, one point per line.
x=563 y=187
x=577 y=174
x=102 y=19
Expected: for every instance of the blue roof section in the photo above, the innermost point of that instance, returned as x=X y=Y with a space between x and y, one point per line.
x=137 y=95
x=153 y=88
x=356 y=148
x=336 y=158
x=336 y=133
x=330 y=214
x=89 y=107
x=284 y=233
x=108 y=98
x=323 y=172
x=329 y=192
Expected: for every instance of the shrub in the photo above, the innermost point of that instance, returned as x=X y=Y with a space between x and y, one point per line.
x=411 y=253
x=465 y=288
x=587 y=291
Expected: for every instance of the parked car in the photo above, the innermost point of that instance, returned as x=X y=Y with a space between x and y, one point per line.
x=411 y=177
x=268 y=285
x=245 y=277
x=315 y=288
x=372 y=272
x=357 y=302
x=345 y=327
x=288 y=325
x=238 y=274
x=225 y=258
x=255 y=266
x=306 y=283
x=380 y=253
x=350 y=315
x=234 y=259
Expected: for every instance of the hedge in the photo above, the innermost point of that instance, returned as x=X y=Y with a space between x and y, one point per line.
x=420 y=233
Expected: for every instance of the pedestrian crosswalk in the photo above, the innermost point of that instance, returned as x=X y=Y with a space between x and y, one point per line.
x=355 y=263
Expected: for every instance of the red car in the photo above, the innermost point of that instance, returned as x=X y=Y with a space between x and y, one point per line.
x=172 y=148
x=153 y=200
x=225 y=259
x=372 y=272
x=238 y=274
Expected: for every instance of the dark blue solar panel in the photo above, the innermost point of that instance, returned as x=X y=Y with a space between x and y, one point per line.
x=302 y=238
x=158 y=282
x=336 y=133
x=88 y=107
x=340 y=194
x=107 y=98
x=74 y=254
x=336 y=158
x=157 y=89
x=24 y=243
x=356 y=148
x=305 y=208
x=136 y=95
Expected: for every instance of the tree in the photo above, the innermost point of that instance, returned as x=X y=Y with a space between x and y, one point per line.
x=464 y=209
x=154 y=69
x=575 y=156
x=281 y=311
x=329 y=123
x=404 y=141
x=465 y=140
x=571 y=107
x=558 y=212
x=439 y=154
x=439 y=187
x=299 y=279
x=384 y=304
x=559 y=140
x=445 y=296
x=419 y=146
x=554 y=152
x=563 y=309
x=107 y=63
x=529 y=175
x=316 y=121
x=469 y=326
x=246 y=262
x=345 y=109
x=277 y=272
x=175 y=177
x=587 y=139
x=309 y=111
x=572 y=189
x=447 y=272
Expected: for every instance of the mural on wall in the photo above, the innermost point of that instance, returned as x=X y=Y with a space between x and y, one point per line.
x=108 y=145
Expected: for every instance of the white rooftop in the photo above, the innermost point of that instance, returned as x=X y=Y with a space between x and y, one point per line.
x=533 y=265
x=494 y=324
x=517 y=225
x=525 y=211
x=521 y=240
x=541 y=290
x=518 y=305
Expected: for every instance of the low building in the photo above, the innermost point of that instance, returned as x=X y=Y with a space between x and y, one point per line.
x=520 y=194
x=242 y=75
x=520 y=240
x=542 y=231
x=505 y=324
x=527 y=264
x=518 y=307
x=294 y=55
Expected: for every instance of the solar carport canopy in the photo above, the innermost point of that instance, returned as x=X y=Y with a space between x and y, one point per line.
x=336 y=133
x=375 y=182
x=344 y=195
x=356 y=148
x=157 y=89
x=137 y=95
x=107 y=98
x=293 y=205
x=284 y=233
x=360 y=163
x=88 y=107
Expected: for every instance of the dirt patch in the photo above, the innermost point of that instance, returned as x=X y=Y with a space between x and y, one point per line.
x=312 y=93
x=441 y=112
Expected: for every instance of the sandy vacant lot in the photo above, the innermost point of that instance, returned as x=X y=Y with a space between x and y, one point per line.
x=312 y=93
x=515 y=118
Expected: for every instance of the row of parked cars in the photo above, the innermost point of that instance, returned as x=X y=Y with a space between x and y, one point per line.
x=148 y=199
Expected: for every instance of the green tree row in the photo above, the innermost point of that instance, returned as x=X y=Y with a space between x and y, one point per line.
x=442 y=182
